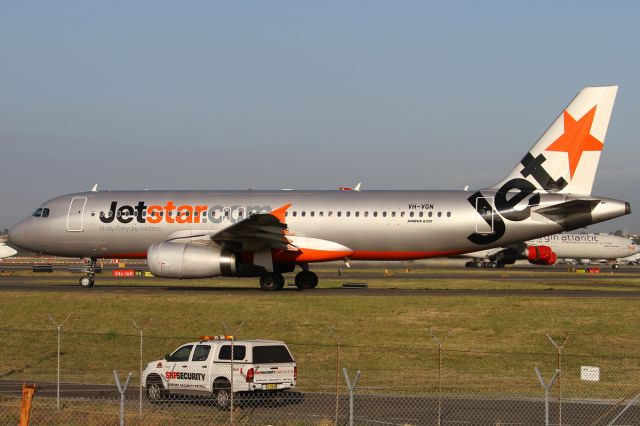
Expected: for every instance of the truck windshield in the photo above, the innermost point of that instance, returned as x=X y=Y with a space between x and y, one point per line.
x=271 y=354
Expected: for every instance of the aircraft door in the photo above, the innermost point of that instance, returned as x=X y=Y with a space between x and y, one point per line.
x=76 y=213
x=485 y=217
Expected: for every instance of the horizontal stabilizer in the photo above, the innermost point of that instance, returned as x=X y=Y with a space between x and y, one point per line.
x=569 y=207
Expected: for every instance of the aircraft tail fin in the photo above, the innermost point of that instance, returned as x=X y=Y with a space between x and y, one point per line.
x=565 y=158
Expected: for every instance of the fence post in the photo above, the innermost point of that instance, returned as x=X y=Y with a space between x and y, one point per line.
x=122 y=390
x=59 y=327
x=352 y=388
x=233 y=338
x=141 y=330
x=547 y=388
x=559 y=349
x=440 y=343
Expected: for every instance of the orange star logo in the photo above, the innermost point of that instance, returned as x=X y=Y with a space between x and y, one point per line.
x=576 y=138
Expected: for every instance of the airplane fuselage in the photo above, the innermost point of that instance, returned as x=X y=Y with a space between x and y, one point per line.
x=373 y=225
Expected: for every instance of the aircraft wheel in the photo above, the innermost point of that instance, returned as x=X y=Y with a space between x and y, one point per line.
x=271 y=281
x=306 y=280
x=86 y=281
x=615 y=266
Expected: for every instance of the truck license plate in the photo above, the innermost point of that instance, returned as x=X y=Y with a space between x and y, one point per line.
x=271 y=386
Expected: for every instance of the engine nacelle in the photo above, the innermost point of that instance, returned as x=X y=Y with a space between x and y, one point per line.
x=188 y=260
x=541 y=255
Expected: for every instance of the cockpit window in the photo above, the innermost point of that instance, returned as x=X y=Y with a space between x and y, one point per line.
x=38 y=213
x=45 y=212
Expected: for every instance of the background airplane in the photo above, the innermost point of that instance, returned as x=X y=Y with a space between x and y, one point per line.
x=199 y=234
x=6 y=251
x=547 y=250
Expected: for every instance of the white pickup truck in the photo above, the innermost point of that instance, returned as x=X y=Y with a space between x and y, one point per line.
x=204 y=368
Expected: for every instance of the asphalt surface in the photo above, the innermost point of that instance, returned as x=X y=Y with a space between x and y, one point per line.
x=369 y=407
x=620 y=283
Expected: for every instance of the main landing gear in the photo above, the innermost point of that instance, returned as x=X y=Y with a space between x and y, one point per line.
x=273 y=281
x=89 y=273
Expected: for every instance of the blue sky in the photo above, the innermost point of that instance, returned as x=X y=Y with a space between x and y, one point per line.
x=236 y=95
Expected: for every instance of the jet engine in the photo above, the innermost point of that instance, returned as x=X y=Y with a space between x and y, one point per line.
x=189 y=260
x=541 y=255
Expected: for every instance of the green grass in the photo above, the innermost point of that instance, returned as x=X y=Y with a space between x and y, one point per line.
x=495 y=341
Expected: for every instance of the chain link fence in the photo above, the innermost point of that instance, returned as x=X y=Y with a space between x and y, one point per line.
x=397 y=386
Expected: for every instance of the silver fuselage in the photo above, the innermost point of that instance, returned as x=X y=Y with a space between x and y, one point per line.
x=375 y=225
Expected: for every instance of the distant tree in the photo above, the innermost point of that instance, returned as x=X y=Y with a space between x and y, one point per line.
x=618 y=233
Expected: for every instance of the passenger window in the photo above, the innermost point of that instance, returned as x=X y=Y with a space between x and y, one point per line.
x=448 y=214
x=375 y=214
x=295 y=214
x=181 y=354
x=421 y=214
x=384 y=214
x=45 y=212
x=430 y=214
x=321 y=213
x=312 y=213
x=329 y=213
x=393 y=214
x=439 y=214
x=339 y=214
x=411 y=214
x=366 y=214
x=201 y=353
x=348 y=214
x=401 y=214
x=302 y=214
x=239 y=352
x=357 y=214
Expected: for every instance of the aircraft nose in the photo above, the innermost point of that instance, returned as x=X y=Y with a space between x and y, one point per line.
x=17 y=234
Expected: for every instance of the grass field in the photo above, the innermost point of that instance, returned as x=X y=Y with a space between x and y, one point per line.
x=477 y=323
x=376 y=332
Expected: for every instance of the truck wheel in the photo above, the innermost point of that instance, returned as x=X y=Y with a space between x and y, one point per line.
x=222 y=394
x=155 y=391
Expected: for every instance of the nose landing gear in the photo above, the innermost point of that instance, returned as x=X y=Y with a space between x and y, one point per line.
x=89 y=273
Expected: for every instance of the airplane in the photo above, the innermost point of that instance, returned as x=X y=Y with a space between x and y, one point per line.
x=631 y=260
x=201 y=234
x=547 y=250
x=6 y=251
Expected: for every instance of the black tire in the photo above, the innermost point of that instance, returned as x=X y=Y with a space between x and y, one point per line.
x=271 y=281
x=306 y=280
x=222 y=394
x=86 y=282
x=155 y=391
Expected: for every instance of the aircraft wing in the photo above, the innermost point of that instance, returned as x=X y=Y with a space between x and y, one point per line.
x=261 y=230
x=6 y=251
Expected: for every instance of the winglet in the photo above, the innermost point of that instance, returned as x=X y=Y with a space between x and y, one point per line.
x=280 y=212
x=357 y=187
x=94 y=188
